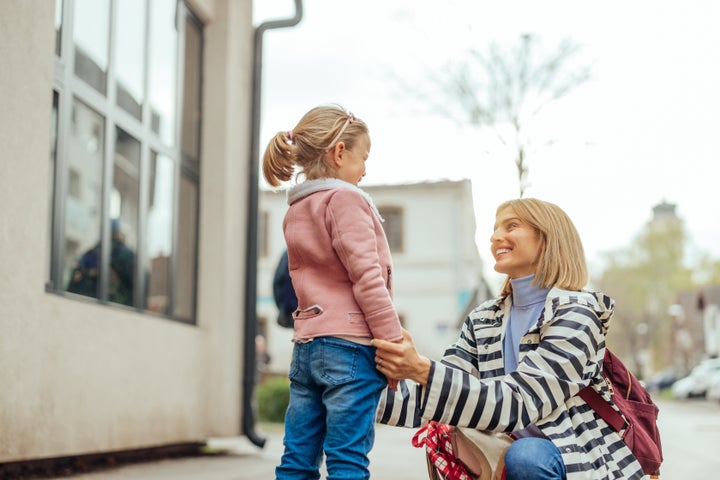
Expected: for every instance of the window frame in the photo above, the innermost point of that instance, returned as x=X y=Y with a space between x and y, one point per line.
x=394 y=227
x=69 y=88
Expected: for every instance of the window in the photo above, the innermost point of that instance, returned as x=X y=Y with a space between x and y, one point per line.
x=53 y=161
x=393 y=226
x=126 y=154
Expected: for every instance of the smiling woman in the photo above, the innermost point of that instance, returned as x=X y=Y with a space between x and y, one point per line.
x=522 y=358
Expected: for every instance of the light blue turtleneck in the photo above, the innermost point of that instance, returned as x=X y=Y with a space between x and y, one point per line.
x=527 y=303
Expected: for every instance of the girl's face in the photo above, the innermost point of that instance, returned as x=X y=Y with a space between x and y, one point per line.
x=515 y=245
x=351 y=167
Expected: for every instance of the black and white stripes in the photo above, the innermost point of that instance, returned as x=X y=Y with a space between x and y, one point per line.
x=559 y=356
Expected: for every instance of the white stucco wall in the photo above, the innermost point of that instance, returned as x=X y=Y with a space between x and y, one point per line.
x=77 y=377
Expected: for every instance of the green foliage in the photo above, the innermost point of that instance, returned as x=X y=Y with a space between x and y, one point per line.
x=709 y=270
x=273 y=396
x=645 y=279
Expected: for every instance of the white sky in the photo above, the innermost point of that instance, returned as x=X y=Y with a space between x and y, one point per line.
x=643 y=129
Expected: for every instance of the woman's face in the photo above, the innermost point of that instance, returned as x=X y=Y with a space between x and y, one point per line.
x=515 y=245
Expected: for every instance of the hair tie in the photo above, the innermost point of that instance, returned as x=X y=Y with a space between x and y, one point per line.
x=350 y=119
x=290 y=135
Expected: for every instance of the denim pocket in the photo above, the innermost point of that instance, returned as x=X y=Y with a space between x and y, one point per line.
x=339 y=360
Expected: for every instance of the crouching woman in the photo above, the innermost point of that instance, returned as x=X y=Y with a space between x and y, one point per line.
x=521 y=359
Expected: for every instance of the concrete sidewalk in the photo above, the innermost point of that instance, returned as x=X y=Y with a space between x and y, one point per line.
x=690 y=432
x=393 y=457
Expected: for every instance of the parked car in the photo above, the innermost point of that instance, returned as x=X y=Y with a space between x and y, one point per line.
x=663 y=379
x=713 y=390
x=696 y=384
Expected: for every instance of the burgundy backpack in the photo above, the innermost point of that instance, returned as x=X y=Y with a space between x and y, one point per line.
x=639 y=411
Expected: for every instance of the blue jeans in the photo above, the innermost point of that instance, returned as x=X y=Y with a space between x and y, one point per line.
x=334 y=393
x=534 y=459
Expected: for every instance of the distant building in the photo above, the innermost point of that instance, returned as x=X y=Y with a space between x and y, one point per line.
x=437 y=269
x=694 y=330
x=696 y=326
x=664 y=210
x=708 y=303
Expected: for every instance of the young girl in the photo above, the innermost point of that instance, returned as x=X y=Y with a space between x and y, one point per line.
x=341 y=270
x=522 y=357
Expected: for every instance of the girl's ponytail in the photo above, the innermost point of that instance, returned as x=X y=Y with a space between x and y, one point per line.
x=279 y=159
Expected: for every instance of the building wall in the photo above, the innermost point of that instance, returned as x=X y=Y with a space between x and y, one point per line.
x=78 y=377
x=434 y=276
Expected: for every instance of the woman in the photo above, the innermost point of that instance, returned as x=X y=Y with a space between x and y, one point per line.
x=521 y=358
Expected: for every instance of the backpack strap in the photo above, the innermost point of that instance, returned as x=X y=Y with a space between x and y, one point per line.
x=603 y=408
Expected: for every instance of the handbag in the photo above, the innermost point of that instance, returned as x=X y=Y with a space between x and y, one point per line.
x=458 y=453
x=638 y=422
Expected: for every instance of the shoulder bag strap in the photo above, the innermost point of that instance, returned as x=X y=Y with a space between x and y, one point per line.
x=603 y=408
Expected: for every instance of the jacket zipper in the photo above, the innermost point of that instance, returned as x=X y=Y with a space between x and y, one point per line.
x=389 y=273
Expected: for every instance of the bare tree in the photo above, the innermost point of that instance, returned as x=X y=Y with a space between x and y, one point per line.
x=508 y=87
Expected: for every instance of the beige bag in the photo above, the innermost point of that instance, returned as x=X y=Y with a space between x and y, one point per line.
x=481 y=453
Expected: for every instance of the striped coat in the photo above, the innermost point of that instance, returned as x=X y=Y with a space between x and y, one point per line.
x=559 y=355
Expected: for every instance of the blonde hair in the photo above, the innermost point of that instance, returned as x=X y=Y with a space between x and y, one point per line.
x=561 y=262
x=306 y=145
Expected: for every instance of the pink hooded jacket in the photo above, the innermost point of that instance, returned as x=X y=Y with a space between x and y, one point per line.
x=340 y=263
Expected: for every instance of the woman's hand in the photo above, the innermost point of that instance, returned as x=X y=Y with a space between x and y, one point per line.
x=401 y=360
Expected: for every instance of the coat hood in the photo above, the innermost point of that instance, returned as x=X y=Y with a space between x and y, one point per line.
x=308 y=187
x=601 y=304
x=604 y=308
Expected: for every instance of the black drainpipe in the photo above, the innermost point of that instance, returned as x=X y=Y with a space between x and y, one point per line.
x=249 y=363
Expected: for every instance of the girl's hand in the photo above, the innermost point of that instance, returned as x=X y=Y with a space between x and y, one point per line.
x=400 y=360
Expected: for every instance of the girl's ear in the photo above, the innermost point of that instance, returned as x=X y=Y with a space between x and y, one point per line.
x=337 y=154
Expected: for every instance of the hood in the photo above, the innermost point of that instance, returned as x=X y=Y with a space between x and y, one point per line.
x=602 y=305
x=604 y=309
x=308 y=187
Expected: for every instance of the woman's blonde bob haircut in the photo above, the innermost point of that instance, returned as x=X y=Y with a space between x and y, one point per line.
x=306 y=146
x=561 y=259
